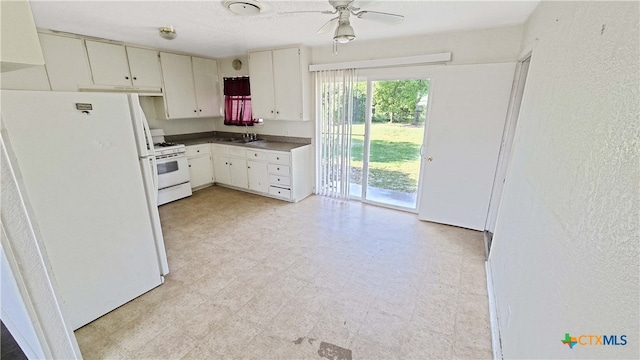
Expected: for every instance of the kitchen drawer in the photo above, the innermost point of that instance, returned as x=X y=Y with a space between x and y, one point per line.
x=278 y=169
x=280 y=180
x=256 y=155
x=237 y=151
x=220 y=149
x=280 y=192
x=280 y=158
x=196 y=150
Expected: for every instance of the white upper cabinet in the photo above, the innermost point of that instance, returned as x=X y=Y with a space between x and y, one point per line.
x=109 y=65
x=20 y=47
x=145 y=67
x=180 y=95
x=261 y=78
x=190 y=86
x=287 y=84
x=280 y=84
x=115 y=65
x=205 y=78
x=66 y=61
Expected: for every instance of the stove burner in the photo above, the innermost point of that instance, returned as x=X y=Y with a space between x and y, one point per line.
x=164 y=144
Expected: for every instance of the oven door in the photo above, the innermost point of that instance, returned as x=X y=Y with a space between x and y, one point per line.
x=172 y=170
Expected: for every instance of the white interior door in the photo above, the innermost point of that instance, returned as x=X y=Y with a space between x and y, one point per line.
x=468 y=107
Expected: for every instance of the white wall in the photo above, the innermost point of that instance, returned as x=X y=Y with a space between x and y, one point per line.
x=565 y=255
x=468 y=47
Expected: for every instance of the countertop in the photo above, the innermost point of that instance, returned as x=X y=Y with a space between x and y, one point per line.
x=259 y=144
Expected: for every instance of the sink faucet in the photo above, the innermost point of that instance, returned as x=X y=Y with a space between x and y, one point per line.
x=248 y=136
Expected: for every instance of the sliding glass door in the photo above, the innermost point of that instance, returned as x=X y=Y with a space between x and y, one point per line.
x=388 y=131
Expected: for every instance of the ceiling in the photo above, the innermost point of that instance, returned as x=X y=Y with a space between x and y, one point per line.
x=208 y=28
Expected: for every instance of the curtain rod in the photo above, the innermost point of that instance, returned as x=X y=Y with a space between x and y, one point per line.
x=364 y=64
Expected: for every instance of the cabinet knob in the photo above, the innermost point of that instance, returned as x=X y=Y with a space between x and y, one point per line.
x=277 y=112
x=278 y=179
x=195 y=111
x=200 y=110
x=197 y=150
x=189 y=165
x=135 y=78
x=255 y=154
x=248 y=167
x=126 y=77
x=278 y=168
x=226 y=163
x=272 y=111
x=277 y=158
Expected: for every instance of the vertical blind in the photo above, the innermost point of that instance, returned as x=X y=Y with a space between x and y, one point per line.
x=335 y=97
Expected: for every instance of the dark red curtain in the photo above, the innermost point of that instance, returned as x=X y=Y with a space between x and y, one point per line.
x=237 y=101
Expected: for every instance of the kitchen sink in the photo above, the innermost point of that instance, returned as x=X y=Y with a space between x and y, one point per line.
x=235 y=140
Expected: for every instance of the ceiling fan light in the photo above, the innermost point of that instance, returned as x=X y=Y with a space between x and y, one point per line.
x=344 y=33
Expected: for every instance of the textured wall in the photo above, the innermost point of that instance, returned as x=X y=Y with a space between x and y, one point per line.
x=27 y=259
x=565 y=256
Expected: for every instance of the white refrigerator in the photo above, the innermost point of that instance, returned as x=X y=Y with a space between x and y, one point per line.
x=89 y=174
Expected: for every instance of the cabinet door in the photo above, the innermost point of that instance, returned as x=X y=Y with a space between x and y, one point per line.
x=31 y=78
x=145 y=67
x=66 y=62
x=221 y=169
x=200 y=171
x=287 y=83
x=258 y=176
x=180 y=96
x=261 y=75
x=205 y=78
x=238 y=172
x=109 y=65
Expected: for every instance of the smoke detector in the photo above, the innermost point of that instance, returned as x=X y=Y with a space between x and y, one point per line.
x=244 y=7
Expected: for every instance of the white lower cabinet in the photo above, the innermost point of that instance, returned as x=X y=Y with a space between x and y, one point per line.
x=200 y=166
x=238 y=172
x=221 y=169
x=258 y=176
x=229 y=166
x=285 y=175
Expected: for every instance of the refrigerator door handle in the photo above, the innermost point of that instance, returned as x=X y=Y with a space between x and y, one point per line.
x=154 y=171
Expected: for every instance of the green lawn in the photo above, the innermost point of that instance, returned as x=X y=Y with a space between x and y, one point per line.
x=395 y=156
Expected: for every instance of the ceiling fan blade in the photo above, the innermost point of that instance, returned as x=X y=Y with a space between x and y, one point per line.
x=380 y=16
x=327 y=12
x=328 y=25
x=361 y=4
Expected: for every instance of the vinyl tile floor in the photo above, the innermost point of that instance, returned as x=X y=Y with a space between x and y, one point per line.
x=257 y=278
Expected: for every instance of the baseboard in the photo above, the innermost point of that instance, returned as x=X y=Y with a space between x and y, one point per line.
x=496 y=345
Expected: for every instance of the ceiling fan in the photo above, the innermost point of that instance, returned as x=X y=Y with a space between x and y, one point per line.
x=344 y=9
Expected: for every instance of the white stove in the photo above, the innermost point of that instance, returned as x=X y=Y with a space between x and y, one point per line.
x=165 y=148
x=172 y=167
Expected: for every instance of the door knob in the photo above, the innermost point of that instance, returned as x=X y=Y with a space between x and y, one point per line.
x=429 y=159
